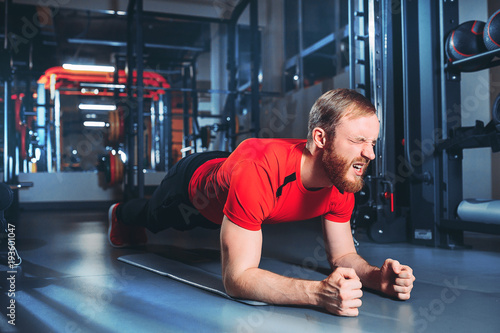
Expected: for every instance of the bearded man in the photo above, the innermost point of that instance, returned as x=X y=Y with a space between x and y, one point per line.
x=269 y=181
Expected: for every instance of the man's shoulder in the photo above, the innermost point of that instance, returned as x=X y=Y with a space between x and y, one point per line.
x=269 y=154
x=262 y=145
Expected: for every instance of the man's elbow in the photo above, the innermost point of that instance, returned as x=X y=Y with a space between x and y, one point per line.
x=232 y=287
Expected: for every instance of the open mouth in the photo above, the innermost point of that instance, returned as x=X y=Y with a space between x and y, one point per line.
x=358 y=168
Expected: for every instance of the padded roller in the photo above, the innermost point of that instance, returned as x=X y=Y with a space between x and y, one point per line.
x=480 y=210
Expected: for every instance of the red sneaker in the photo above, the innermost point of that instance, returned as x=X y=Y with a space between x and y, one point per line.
x=120 y=235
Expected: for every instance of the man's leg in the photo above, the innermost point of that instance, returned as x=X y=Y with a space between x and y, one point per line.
x=169 y=206
x=121 y=234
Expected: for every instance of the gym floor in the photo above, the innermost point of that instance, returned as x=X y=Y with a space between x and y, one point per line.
x=71 y=281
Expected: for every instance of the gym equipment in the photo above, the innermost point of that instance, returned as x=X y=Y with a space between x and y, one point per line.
x=206 y=136
x=491 y=34
x=116 y=129
x=495 y=113
x=479 y=210
x=465 y=41
x=184 y=273
x=112 y=167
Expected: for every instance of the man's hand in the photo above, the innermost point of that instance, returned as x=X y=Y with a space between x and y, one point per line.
x=396 y=280
x=341 y=292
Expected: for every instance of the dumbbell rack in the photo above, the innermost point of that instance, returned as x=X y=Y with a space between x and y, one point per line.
x=459 y=138
x=418 y=164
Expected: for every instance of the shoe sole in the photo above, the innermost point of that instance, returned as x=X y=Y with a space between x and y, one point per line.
x=110 y=222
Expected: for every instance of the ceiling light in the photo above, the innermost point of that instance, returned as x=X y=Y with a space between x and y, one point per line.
x=89 y=68
x=94 y=124
x=101 y=107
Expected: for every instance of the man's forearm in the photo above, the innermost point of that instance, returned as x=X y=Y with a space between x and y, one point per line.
x=368 y=274
x=265 y=286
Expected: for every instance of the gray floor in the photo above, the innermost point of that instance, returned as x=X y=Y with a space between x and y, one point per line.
x=73 y=283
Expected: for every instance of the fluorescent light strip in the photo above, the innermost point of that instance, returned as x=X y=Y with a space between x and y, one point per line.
x=102 y=107
x=94 y=124
x=89 y=68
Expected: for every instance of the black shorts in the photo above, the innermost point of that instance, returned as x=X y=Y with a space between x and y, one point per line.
x=170 y=205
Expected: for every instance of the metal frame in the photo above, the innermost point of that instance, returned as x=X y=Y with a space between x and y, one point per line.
x=420 y=115
x=298 y=59
x=450 y=164
x=451 y=154
x=232 y=55
x=134 y=186
x=135 y=122
x=359 y=75
x=374 y=30
x=255 y=65
x=8 y=121
x=187 y=138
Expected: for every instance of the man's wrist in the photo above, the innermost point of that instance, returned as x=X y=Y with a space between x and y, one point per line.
x=373 y=279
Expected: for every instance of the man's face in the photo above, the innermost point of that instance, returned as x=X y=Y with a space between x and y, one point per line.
x=346 y=158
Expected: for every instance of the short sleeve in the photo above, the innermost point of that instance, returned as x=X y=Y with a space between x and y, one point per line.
x=250 y=198
x=341 y=207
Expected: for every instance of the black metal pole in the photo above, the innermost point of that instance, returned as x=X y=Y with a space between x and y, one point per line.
x=194 y=104
x=185 y=109
x=7 y=128
x=255 y=65
x=129 y=185
x=167 y=130
x=139 y=49
x=230 y=107
x=116 y=77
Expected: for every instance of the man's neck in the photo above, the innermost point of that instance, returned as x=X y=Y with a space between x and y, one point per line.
x=312 y=173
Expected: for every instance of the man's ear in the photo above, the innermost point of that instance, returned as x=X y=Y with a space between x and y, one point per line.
x=319 y=137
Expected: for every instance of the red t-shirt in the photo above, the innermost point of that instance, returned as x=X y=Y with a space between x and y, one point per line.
x=260 y=183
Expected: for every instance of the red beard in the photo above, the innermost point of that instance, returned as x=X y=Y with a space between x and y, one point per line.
x=337 y=168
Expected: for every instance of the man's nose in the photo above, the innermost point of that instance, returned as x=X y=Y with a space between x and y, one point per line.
x=368 y=152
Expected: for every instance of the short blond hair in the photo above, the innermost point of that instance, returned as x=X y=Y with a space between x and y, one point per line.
x=334 y=105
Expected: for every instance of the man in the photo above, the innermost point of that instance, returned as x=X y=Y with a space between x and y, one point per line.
x=274 y=181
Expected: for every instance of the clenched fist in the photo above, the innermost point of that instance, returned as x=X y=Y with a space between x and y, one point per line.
x=396 y=280
x=340 y=293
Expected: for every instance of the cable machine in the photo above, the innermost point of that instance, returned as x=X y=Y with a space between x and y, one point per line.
x=373 y=41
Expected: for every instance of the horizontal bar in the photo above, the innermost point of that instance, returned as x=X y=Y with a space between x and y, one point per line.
x=471 y=60
x=319 y=44
x=123 y=44
x=181 y=17
x=205 y=91
x=20 y=185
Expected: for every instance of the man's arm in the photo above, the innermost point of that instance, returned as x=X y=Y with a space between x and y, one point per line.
x=392 y=278
x=340 y=293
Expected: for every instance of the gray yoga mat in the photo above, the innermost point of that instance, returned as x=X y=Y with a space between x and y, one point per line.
x=191 y=275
